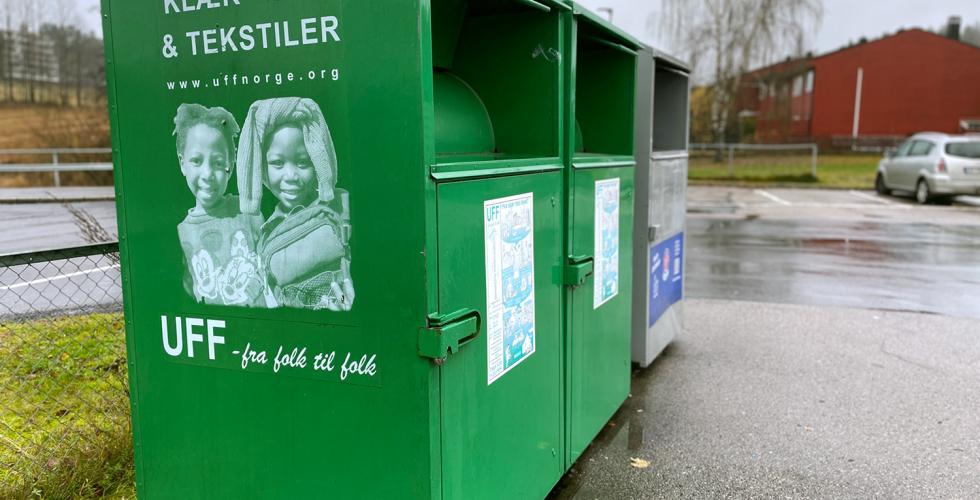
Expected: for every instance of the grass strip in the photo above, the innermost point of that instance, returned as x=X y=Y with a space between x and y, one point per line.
x=833 y=171
x=64 y=417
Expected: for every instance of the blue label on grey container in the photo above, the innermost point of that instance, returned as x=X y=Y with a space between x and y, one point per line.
x=666 y=276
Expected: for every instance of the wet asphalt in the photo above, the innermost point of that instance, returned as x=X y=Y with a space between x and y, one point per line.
x=831 y=350
x=924 y=267
x=838 y=248
x=760 y=400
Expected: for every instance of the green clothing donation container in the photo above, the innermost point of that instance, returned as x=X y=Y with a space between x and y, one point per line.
x=355 y=240
x=599 y=210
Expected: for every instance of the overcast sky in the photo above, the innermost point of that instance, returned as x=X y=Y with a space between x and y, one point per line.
x=844 y=20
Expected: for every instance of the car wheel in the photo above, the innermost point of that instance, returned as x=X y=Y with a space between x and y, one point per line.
x=922 y=194
x=880 y=186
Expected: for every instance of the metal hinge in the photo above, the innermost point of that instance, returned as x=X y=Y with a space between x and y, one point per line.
x=578 y=268
x=445 y=334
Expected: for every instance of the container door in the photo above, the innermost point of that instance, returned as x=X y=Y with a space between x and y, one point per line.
x=599 y=307
x=599 y=234
x=499 y=254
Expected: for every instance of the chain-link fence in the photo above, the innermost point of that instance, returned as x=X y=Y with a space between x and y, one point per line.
x=64 y=405
x=788 y=162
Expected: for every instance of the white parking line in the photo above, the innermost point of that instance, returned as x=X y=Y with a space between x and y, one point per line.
x=973 y=201
x=58 y=277
x=859 y=206
x=866 y=196
x=772 y=197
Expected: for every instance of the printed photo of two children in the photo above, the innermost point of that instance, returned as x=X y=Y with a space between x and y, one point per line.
x=296 y=256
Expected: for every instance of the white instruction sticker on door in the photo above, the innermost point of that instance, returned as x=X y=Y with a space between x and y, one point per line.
x=509 y=233
x=606 y=283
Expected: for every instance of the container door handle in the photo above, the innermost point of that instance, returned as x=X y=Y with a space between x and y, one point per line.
x=579 y=267
x=652 y=232
x=446 y=334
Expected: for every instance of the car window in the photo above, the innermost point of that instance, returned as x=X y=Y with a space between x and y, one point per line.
x=921 y=148
x=964 y=149
x=903 y=150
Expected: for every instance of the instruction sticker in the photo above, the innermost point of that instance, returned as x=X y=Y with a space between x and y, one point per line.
x=606 y=241
x=509 y=233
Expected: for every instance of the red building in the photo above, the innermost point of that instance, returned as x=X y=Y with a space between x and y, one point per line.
x=873 y=92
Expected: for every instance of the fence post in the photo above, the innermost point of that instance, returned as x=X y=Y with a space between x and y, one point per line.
x=57 y=174
x=813 y=160
x=731 y=160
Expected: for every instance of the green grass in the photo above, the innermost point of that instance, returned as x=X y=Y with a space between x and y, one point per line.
x=833 y=171
x=64 y=418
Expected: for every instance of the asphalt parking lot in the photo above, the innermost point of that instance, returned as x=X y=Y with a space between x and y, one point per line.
x=831 y=350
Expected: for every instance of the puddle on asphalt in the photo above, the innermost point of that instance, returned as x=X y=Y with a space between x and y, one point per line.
x=711 y=208
x=919 y=267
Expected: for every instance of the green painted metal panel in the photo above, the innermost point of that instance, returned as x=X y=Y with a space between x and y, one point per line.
x=306 y=198
x=294 y=247
x=516 y=76
x=502 y=438
x=599 y=193
x=492 y=446
x=599 y=331
x=208 y=428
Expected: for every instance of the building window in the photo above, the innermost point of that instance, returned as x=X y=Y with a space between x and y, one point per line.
x=763 y=91
x=809 y=82
x=798 y=86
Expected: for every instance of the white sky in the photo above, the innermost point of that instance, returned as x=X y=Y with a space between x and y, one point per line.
x=88 y=10
x=844 y=20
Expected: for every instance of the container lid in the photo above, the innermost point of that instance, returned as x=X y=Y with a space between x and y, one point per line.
x=606 y=30
x=666 y=60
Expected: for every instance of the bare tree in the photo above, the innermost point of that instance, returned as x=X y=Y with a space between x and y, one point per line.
x=89 y=227
x=10 y=21
x=29 y=46
x=65 y=35
x=724 y=38
x=971 y=34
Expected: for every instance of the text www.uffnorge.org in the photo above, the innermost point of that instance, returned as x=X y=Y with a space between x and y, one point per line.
x=254 y=79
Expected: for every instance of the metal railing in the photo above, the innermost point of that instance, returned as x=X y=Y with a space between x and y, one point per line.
x=730 y=148
x=64 y=404
x=56 y=166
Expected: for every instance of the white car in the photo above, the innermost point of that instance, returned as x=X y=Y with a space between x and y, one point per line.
x=933 y=166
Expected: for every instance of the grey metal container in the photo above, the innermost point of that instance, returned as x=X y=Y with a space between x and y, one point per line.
x=663 y=89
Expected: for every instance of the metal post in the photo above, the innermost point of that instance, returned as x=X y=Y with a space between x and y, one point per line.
x=57 y=174
x=731 y=161
x=813 y=160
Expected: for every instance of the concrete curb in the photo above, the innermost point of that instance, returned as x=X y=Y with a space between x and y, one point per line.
x=15 y=196
x=30 y=201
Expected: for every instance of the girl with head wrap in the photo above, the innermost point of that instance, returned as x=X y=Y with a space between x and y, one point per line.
x=303 y=245
x=217 y=239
